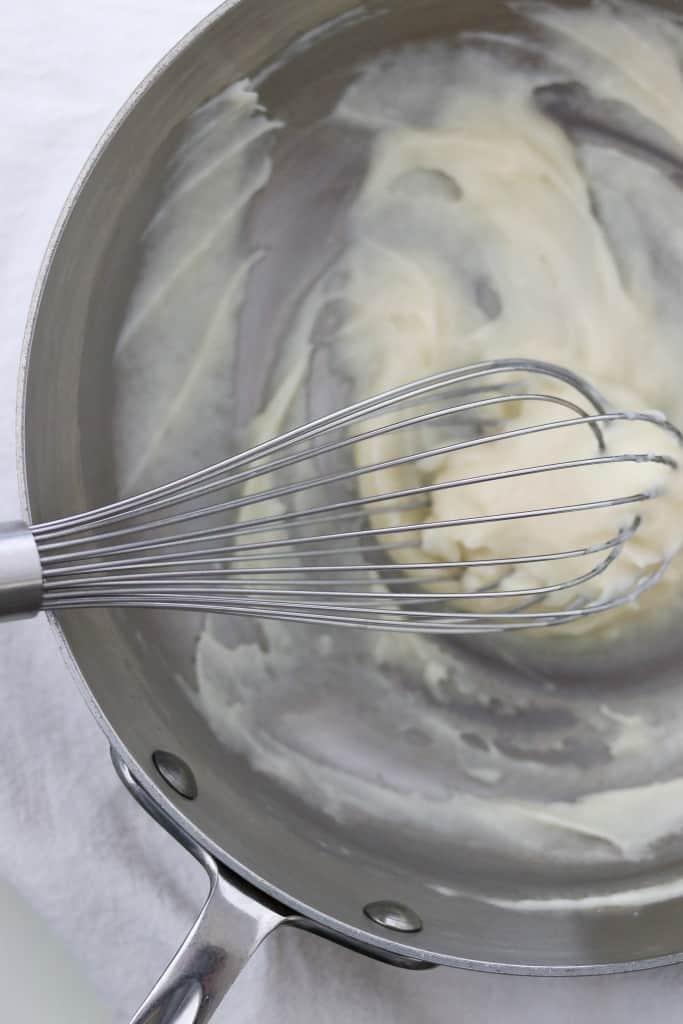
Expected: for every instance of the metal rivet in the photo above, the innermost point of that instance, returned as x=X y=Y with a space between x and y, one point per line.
x=395 y=916
x=176 y=773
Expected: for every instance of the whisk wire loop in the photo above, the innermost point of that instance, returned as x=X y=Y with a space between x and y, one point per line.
x=313 y=527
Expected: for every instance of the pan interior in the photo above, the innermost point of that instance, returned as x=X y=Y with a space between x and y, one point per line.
x=567 y=720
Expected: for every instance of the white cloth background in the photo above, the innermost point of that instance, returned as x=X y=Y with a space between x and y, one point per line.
x=108 y=880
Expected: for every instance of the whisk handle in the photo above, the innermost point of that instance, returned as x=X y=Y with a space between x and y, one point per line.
x=21 y=575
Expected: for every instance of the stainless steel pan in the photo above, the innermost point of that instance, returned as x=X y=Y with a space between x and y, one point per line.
x=272 y=861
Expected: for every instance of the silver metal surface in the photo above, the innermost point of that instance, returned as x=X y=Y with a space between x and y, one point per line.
x=176 y=773
x=169 y=547
x=21 y=577
x=127 y=662
x=393 y=916
x=229 y=929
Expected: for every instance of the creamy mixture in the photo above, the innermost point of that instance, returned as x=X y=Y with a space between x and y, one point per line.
x=515 y=197
x=479 y=232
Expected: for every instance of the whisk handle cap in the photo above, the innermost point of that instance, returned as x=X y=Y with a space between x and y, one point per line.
x=21 y=574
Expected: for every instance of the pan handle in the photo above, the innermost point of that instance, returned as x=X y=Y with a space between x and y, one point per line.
x=204 y=968
x=229 y=929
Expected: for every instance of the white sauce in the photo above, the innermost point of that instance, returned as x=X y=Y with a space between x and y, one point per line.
x=180 y=328
x=473 y=235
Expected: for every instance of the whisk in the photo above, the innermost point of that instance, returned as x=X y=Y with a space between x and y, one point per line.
x=302 y=528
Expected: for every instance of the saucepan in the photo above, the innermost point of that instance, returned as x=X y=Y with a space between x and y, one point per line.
x=376 y=884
